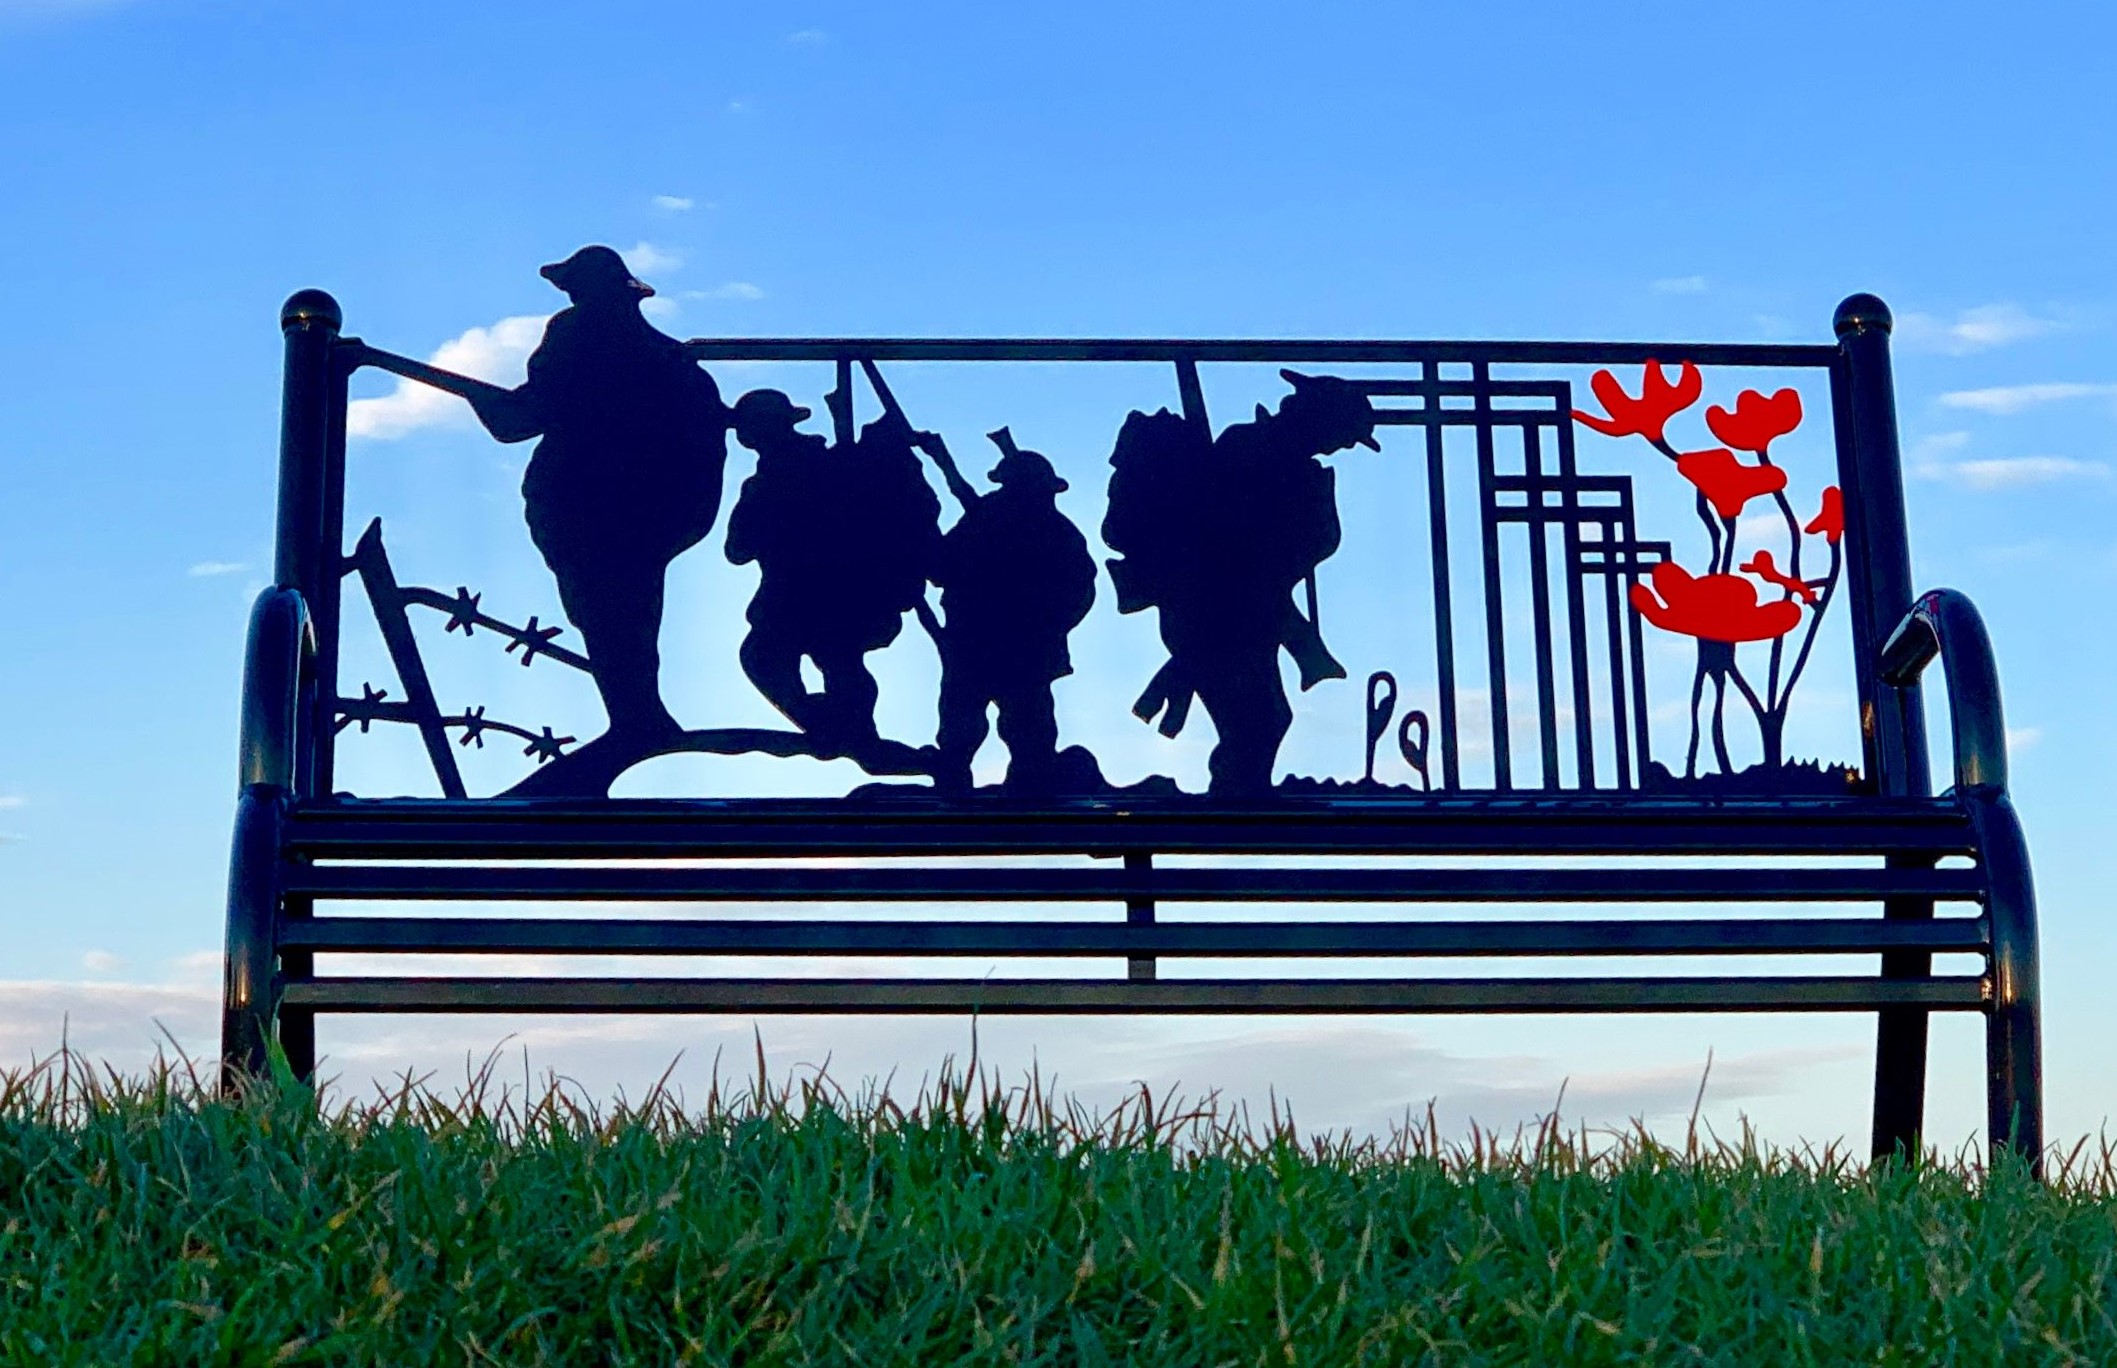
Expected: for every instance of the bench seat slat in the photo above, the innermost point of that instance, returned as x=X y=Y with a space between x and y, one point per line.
x=1067 y=996
x=931 y=884
x=1276 y=939
x=672 y=828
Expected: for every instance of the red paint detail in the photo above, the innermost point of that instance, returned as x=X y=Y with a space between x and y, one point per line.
x=1763 y=567
x=1712 y=607
x=1727 y=483
x=1757 y=421
x=1831 y=520
x=1660 y=399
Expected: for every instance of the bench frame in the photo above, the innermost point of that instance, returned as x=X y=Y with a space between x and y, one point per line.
x=287 y=821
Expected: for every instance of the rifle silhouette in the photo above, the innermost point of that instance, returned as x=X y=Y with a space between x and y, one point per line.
x=930 y=443
x=508 y=416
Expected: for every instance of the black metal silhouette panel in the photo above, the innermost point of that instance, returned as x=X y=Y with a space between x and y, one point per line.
x=1572 y=582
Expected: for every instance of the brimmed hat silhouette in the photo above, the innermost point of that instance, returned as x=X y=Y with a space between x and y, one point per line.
x=1335 y=402
x=595 y=271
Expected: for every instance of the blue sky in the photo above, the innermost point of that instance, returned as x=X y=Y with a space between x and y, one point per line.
x=171 y=169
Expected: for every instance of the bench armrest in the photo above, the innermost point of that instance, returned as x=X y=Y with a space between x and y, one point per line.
x=1944 y=623
x=277 y=663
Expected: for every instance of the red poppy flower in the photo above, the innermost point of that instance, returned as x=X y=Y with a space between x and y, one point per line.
x=1757 y=421
x=1727 y=483
x=1763 y=567
x=1712 y=607
x=1831 y=520
x=1659 y=400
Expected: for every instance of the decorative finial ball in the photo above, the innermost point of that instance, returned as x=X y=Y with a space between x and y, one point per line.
x=310 y=306
x=1861 y=312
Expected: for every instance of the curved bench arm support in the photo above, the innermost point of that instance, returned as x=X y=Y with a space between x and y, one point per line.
x=276 y=666
x=1944 y=623
x=276 y=663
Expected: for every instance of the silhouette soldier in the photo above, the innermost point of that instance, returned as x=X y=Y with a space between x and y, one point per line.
x=844 y=539
x=1016 y=579
x=1217 y=534
x=627 y=475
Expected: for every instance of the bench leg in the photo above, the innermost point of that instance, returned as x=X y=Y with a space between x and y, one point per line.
x=1900 y=1076
x=297 y=1026
x=249 y=990
x=2013 y=1030
x=1900 y=1041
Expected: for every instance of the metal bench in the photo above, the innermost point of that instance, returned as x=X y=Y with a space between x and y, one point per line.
x=1549 y=778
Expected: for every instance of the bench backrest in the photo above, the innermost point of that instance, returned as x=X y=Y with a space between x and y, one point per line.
x=1613 y=564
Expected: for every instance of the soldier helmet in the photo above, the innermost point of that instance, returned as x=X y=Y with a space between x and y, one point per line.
x=1336 y=404
x=765 y=410
x=1028 y=470
x=596 y=271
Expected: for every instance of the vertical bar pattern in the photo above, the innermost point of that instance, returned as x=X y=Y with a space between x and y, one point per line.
x=1570 y=515
x=1495 y=620
x=1613 y=616
x=1635 y=642
x=1540 y=603
x=1443 y=602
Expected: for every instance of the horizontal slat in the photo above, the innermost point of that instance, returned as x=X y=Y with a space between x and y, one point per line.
x=931 y=884
x=536 y=935
x=1284 y=351
x=675 y=828
x=1074 y=996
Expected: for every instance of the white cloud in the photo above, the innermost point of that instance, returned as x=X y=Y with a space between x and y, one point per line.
x=2013 y=472
x=1936 y=445
x=738 y=106
x=1690 y=284
x=2003 y=399
x=121 y=1024
x=646 y=258
x=734 y=289
x=208 y=569
x=675 y=204
x=13 y=800
x=661 y=308
x=1937 y=456
x=498 y=354
x=1335 y=1075
x=101 y=962
x=808 y=37
x=2021 y=738
x=1973 y=330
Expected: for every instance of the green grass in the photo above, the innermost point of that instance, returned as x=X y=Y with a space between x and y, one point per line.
x=145 y=1222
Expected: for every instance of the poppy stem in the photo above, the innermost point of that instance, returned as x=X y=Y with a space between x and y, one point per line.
x=1815 y=619
x=1690 y=761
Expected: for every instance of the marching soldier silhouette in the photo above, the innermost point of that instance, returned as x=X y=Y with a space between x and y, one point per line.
x=844 y=537
x=1016 y=579
x=1217 y=533
x=625 y=478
